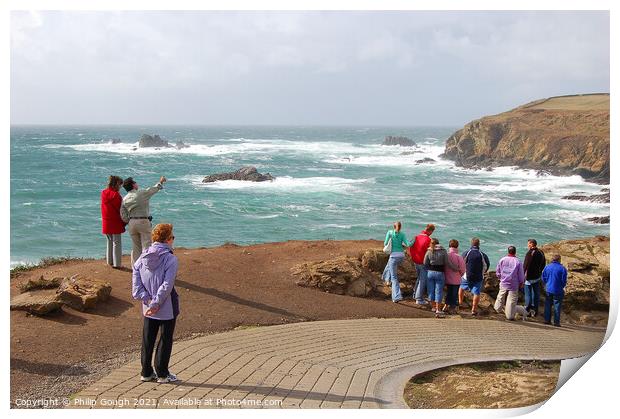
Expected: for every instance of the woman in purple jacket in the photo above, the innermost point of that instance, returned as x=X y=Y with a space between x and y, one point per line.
x=153 y=283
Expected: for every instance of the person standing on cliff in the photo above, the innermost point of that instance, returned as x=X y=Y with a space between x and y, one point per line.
x=554 y=277
x=398 y=242
x=511 y=277
x=476 y=264
x=111 y=223
x=135 y=211
x=533 y=264
x=154 y=274
x=417 y=252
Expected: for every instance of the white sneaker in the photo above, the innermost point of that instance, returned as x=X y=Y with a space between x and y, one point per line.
x=152 y=377
x=171 y=378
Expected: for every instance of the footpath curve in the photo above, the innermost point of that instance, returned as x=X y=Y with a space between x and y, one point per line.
x=362 y=363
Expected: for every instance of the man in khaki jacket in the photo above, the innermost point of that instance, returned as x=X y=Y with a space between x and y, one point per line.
x=135 y=211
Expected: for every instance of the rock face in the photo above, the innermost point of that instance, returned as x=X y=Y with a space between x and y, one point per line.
x=152 y=141
x=564 y=135
x=43 y=296
x=357 y=277
x=587 y=261
x=247 y=173
x=401 y=141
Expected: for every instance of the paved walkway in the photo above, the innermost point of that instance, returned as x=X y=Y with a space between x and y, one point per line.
x=329 y=364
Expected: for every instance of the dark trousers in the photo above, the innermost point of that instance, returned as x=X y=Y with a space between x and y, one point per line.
x=452 y=295
x=164 y=347
x=556 y=301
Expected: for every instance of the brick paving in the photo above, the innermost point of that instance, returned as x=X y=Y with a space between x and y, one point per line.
x=328 y=364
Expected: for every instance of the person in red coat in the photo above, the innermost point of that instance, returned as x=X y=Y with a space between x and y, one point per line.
x=418 y=251
x=112 y=224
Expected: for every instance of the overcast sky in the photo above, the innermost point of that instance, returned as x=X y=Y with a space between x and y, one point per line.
x=298 y=68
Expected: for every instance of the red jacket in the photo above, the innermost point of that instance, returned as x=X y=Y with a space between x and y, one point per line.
x=111 y=212
x=419 y=248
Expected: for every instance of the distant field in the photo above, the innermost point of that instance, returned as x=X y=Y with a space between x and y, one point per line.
x=573 y=103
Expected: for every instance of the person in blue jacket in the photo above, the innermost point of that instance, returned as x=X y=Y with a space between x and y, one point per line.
x=554 y=277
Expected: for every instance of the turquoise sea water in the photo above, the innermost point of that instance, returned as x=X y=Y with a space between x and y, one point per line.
x=332 y=183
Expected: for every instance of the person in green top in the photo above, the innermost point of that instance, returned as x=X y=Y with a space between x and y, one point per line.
x=390 y=273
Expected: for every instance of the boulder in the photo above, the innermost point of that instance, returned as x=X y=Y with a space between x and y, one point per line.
x=82 y=293
x=343 y=275
x=152 y=141
x=248 y=173
x=396 y=140
x=39 y=302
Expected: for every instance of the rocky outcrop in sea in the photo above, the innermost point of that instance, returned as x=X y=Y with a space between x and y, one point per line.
x=401 y=141
x=564 y=135
x=248 y=173
x=152 y=141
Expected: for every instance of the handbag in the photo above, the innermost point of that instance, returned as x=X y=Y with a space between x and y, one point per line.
x=387 y=249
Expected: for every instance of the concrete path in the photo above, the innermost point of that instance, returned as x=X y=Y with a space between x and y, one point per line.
x=329 y=364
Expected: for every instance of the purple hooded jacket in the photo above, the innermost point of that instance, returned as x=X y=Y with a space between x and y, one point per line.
x=153 y=281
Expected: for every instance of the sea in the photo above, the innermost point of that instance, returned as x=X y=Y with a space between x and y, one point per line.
x=331 y=183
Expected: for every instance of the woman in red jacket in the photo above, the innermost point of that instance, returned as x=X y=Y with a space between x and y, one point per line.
x=112 y=224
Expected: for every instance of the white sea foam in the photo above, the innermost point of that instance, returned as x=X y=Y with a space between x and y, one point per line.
x=285 y=184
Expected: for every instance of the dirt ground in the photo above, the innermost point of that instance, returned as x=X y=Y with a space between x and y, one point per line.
x=220 y=288
x=484 y=385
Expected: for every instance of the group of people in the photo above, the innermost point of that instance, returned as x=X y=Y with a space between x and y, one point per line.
x=438 y=269
x=154 y=268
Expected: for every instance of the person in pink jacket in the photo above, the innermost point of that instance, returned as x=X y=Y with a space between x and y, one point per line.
x=453 y=277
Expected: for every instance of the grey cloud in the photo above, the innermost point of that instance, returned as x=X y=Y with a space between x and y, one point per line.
x=363 y=68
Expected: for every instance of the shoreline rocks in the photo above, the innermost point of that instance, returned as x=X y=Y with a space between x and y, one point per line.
x=599 y=220
x=398 y=140
x=567 y=135
x=603 y=198
x=248 y=173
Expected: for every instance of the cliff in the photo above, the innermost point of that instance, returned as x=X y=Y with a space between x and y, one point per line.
x=564 y=135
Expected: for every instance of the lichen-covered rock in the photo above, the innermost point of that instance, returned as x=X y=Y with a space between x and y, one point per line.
x=82 y=293
x=561 y=135
x=375 y=260
x=39 y=302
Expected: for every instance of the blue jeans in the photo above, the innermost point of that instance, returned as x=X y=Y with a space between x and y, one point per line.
x=556 y=300
x=434 y=284
x=390 y=274
x=532 y=296
x=420 y=283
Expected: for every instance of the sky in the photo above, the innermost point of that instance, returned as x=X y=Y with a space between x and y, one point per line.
x=362 y=68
